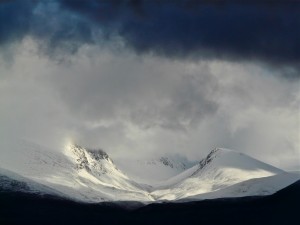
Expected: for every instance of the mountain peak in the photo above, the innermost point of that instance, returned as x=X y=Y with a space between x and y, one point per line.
x=90 y=159
x=221 y=159
x=208 y=159
x=96 y=154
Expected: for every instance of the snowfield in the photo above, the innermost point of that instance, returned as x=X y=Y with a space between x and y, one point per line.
x=92 y=176
x=220 y=169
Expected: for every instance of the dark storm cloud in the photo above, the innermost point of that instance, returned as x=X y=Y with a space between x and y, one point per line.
x=267 y=32
x=15 y=17
x=259 y=31
x=55 y=30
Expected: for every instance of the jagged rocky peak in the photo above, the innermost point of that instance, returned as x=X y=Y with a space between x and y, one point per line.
x=77 y=149
x=209 y=157
x=79 y=153
x=89 y=158
x=98 y=154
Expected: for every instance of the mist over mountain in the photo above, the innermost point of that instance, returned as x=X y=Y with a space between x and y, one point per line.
x=149 y=112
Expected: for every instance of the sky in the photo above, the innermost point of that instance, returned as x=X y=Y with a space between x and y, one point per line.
x=142 y=78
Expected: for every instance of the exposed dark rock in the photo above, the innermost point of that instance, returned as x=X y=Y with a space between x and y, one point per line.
x=208 y=158
x=98 y=154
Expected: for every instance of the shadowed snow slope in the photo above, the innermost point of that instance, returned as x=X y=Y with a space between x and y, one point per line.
x=91 y=176
x=10 y=181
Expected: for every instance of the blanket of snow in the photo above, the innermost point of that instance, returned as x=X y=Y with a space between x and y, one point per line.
x=92 y=176
x=252 y=187
x=79 y=173
x=220 y=169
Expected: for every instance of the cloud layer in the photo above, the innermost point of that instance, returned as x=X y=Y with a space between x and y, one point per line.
x=143 y=106
x=144 y=78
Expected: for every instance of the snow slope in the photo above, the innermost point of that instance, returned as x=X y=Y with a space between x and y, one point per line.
x=10 y=181
x=79 y=173
x=253 y=187
x=220 y=169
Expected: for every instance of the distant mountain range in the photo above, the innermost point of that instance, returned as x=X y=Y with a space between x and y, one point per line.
x=86 y=175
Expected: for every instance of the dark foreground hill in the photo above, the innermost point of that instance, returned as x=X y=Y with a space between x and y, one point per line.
x=28 y=208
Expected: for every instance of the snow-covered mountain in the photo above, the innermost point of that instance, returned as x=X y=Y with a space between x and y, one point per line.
x=220 y=169
x=81 y=174
x=91 y=175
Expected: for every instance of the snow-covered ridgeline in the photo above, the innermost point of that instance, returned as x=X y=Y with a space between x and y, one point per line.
x=90 y=175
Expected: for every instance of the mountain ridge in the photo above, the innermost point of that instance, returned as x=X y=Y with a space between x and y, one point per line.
x=92 y=176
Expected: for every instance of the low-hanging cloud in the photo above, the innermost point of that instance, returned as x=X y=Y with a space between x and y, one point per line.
x=136 y=106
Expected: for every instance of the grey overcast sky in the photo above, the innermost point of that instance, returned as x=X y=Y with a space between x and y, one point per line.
x=143 y=78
